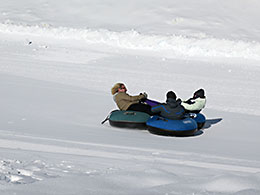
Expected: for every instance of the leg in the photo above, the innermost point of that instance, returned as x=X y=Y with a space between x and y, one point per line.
x=141 y=108
x=151 y=102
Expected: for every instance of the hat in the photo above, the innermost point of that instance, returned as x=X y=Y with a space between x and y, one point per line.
x=171 y=94
x=115 y=88
x=199 y=93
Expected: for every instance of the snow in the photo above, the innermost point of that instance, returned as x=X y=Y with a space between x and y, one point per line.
x=59 y=60
x=176 y=45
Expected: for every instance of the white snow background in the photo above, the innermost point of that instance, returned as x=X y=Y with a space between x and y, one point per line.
x=58 y=62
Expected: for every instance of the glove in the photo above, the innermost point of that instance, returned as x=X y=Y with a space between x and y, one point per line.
x=145 y=95
x=178 y=101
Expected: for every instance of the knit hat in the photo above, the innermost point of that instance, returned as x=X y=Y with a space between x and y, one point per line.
x=171 y=94
x=199 y=93
x=115 y=88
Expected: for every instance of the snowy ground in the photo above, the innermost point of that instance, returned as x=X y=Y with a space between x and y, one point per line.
x=58 y=61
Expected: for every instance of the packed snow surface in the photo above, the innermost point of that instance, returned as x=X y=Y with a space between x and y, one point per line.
x=59 y=60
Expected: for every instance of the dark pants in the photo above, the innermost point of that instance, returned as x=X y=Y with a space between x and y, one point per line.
x=151 y=102
x=141 y=108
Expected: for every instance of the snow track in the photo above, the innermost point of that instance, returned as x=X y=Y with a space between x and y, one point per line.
x=124 y=153
x=176 y=45
x=159 y=171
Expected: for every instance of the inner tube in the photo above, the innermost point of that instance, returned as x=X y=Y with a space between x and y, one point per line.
x=200 y=119
x=128 y=119
x=162 y=126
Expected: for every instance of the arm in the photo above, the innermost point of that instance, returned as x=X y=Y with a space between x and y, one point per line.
x=188 y=106
x=190 y=101
x=157 y=108
x=130 y=98
x=197 y=104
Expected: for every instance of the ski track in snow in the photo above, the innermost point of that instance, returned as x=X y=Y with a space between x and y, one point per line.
x=163 y=171
x=179 y=46
x=127 y=153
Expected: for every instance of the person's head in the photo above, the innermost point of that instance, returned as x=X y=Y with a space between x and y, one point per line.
x=199 y=93
x=118 y=87
x=171 y=94
x=122 y=88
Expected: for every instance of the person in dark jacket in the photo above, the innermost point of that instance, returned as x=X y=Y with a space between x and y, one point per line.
x=172 y=109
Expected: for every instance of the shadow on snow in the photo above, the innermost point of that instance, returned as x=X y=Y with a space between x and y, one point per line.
x=210 y=122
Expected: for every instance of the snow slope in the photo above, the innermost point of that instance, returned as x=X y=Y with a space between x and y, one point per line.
x=58 y=62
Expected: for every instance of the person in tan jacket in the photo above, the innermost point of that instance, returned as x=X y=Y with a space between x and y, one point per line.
x=125 y=101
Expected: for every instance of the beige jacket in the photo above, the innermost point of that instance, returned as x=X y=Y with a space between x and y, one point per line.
x=124 y=100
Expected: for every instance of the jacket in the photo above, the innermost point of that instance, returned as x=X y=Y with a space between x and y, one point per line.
x=171 y=110
x=124 y=100
x=194 y=104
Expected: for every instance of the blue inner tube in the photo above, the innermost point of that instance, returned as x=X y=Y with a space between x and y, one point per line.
x=200 y=119
x=163 y=126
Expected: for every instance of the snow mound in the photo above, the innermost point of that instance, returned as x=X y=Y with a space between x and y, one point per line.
x=232 y=183
x=177 y=45
x=21 y=172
